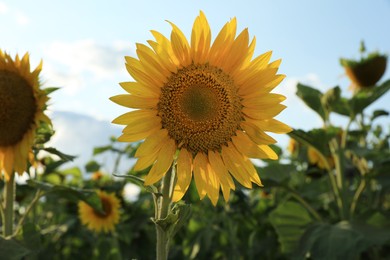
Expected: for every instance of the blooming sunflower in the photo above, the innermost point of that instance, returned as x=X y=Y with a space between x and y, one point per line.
x=21 y=111
x=204 y=106
x=97 y=221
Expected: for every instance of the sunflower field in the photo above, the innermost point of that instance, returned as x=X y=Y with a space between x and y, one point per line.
x=208 y=180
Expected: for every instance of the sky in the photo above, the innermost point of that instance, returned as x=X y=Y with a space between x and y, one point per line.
x=83 y=44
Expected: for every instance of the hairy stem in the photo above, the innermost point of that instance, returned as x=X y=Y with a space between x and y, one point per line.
x=162 y=210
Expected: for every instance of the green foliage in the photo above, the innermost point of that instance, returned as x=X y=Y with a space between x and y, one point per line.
x=290 y=220
x=304 y=211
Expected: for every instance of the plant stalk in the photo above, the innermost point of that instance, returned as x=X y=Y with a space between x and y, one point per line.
x=337 y=154
x=163 y=208
x=9 y=196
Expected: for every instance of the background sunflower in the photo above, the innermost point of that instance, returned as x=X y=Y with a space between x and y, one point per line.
x=21 y=111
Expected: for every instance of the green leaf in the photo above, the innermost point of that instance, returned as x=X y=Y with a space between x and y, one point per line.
x=31 y=236
x=378 y=113
x=312 y=97
x=363 y=98
x=183 y=211
x=92 y=166
x=12 y=250
x=290 y=220
x=344 y=240
x=88 y=196
x=63 y=156
x=276 y=172
x=140 y=182
x=316 y=138
x=101 y=149
x=333 y=102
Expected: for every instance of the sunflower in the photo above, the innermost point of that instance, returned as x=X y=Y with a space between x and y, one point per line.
x=21 y=111
x=97 y=221
x=204 y=106
x=316 y=159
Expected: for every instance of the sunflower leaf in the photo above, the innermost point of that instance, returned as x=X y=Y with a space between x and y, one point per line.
x=290 y=220
x=12 y=250
x=312 y=98
x=378 y=113
x=88 y=196
x=140 y=182
x=363 y=99
x=65 y=157
x=333 y=102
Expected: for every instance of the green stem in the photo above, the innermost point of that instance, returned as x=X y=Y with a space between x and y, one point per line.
x=38 y=194
x=163 y=208
x=9 y=194
x=337 y=154
x=333 y=182
x=355 y=199
x=345 y=134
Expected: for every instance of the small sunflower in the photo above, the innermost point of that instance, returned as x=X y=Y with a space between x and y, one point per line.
x=21 y=111
x=101 y=222
x=205 y=106
x=316 y=159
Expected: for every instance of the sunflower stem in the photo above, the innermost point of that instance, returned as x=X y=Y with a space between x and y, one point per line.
x=163 y=209
x=9 y=194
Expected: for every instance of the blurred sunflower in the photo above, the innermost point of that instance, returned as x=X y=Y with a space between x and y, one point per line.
x=21 y=111
x=212 y=103
x=101 y=222
x=316 y=159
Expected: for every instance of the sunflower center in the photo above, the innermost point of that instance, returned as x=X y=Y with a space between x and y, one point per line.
x=107 y=208
x=17 y=107
x=200 y=108
x=199 y=102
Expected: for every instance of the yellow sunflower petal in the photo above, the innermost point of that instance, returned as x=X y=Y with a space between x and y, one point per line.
x=256 y=134
x=134 y=116
x=234 y=168
x=140 y=125
x=213 y=184
x=247 y=147
x=273 y=125
x=222 y=44
x=200 y=169
x=151 y=143
x=136 y=70
x=221 y=171
x=134 y=137
x=184 y=174
x=180 y=45
x=246 y=165
x=163 y=162
x=150 y=61
x=263 y=114
x=200 y=39
x=236 y=58
x=131 y=101
x=136 y=89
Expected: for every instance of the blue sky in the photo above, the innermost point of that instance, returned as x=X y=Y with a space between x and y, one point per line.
x=83 y=43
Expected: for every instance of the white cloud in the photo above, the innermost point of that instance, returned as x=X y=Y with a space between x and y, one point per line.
x=297 y=114
x=3 y=8
x=73 y=65
x=16 y=15
x=78 y=134
x=21 y=18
